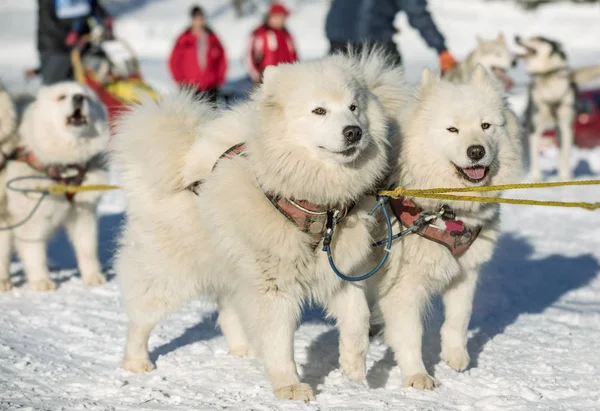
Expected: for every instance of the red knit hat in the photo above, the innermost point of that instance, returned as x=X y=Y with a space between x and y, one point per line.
x=278 y=8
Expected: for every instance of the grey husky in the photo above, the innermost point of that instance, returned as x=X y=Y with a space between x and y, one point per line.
x=552 y=98
x=493 y=55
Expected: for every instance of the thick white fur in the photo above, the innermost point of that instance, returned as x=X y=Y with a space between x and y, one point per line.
x=230 y=240
x=419 y=268
x=8 y=127
x=45 y=132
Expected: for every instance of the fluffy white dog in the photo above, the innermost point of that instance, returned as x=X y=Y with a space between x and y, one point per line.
x=62 y=137
x=316 y=141
x=454 y=135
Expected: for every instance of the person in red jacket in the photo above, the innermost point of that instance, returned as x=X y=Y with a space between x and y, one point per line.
x=270 y=44
x=198 y=59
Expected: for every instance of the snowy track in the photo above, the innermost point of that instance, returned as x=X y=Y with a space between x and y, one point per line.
x=533 y=339
x=535 y=333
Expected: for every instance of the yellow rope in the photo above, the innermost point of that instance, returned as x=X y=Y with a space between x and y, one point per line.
x=441 y=194
x=61 y=189
x=399 y=192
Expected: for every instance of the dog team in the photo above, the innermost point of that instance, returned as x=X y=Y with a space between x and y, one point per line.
x=238 y=203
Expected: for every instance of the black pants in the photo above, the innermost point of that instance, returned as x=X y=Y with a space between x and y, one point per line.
x=211 y=95
x=55 y=66
x=389 y=47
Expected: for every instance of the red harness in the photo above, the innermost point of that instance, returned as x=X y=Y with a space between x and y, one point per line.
x=71 y=174
x=310 y=218
x=453 y=235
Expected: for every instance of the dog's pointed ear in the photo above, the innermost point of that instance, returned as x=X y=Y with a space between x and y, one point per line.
x=480 y=76
x=271 y=87
x=428 y=78
x=270 y=76
x=501 y=38
x=482 y=79
x=428 y=81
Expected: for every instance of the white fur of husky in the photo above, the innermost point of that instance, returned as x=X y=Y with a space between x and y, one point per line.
x=230 y=240
x=50 y=130
x=494 y=55
x=444 y=122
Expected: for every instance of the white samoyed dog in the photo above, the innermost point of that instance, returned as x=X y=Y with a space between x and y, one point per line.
x=454 y=135
x=8 y=144
x=62 y=138
x=316 y=141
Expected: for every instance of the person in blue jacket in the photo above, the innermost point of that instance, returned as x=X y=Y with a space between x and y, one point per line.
x=358 y=22
x=60 y=23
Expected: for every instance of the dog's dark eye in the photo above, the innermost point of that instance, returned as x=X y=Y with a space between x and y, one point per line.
x=61 y=97
x=319 y=111
x=485 y=126
x=352 y=107
x=452 y=129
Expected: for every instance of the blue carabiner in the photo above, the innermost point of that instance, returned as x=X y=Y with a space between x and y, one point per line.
x=381 y=201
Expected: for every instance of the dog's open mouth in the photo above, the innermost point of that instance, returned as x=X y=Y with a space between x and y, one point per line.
x=77 y=118
x=503 y=76
x=526 y=52
x=474 y=174
x=349 y=152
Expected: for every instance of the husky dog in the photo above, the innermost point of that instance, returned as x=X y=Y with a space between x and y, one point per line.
x=316 y=141
x=62 y=137
x=552 y=98
x=454 y=135
x=493 y=55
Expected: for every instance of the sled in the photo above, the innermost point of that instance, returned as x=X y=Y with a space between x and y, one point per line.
x=586 y=127
x=111 y=69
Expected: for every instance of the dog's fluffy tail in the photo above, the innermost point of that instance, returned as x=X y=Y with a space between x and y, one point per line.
x=384 y=78
x=586 y=74
x=152 y=141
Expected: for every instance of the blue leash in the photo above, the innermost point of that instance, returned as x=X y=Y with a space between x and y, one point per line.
x=332 y=221
x=43 y=195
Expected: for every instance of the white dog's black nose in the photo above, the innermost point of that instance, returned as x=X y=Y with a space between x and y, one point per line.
x=476 y=153
x=352 y=134
x=78 y=99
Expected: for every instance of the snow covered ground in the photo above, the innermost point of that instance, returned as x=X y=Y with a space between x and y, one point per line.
x=536 y=323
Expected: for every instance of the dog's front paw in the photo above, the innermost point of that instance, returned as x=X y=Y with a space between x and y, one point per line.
x=94 y=279
x=565 y=175
x=241 y=351
x=457 y=358
x=535 y=176
x=297 y=392
x=138 y=366
x=354 y=367
x=44 y=285
x=5 y=285
x=420 y=382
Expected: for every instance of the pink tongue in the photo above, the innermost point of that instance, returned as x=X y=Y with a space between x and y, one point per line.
x=475 y=173
x=501 y=74
x=508 y=83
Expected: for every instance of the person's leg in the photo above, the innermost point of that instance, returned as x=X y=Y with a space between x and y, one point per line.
x=336 y=46
x=55 y=67
x=212 y=94
x=391 y=49
x=237 y=7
